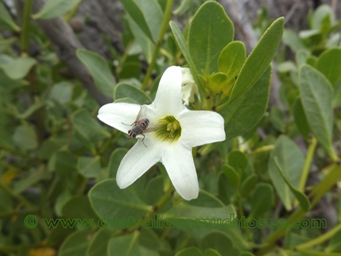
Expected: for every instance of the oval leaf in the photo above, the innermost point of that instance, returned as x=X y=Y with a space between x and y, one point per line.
x=99 y=70
x=109 y=201
x=329 y=64
x=316 y=97
x=18 y=68
x=211 y=30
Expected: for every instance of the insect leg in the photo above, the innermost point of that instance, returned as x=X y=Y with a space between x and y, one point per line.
x=143 y=139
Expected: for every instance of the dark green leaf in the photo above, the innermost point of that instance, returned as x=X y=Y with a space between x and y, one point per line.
x=210 y=20
x=259 y=59
x=125 y=90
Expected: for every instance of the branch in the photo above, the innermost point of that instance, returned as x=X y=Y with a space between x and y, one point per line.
x=65 y=45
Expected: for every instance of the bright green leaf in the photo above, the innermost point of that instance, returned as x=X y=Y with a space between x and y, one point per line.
x=316 y=97
x=219 y=81
x=55 y=8
x=210 y=31
x=99 y=70
x=231 y=60
x=259 y=59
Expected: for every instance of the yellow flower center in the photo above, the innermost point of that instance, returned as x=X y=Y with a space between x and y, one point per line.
x=169 y=130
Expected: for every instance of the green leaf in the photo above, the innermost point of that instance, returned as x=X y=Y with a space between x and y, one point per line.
x=219 y=81
x=55 y=8
x=71 y=209
x=125 y=245
x=261 y=200
x=61 y=92
x=143 y=41
x=89 y=167
x=125 y=90
x=220 y=242
x=259 y=59
x=25 y=137
x=211 y=30
x=18 y=68
x=109 y=201
x=99 y=70
x=99 y=244
x=232 y=175
x=88 y=126
x=182 y=214
x=301 y=198
x=136 y=14
x=154 y=190
x=320 y=15
x=248 y=185
x=6 y=20
x=291 y=160
x=190 y=251
x=5 y=44
x=76 y=244
x=184 y=49
x=329 y=64
x=301 y=119
x=23 y=184
x=245 y=112
x=291 y=39
x=115 y=160
x=316 y=97
x=237 y=160
x=153 y=15
x=334 y=244
x=212 y=252
x=231 y=60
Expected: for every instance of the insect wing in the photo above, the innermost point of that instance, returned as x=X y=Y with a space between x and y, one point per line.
x=142 y=113
x=152 y=128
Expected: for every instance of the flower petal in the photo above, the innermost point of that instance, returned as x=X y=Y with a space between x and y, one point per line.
x=180 y=167
x=119 y=115
x=168 y=96
x=137 y=161
x=201 y=127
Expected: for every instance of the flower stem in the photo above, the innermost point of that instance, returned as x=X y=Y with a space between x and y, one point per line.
x=316 y=194
x=319 y=239
x=164 y=26
x=307 y=163
x=24 y=40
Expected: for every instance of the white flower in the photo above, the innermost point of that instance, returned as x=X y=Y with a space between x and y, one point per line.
x=189 y=87
x=179 y=131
